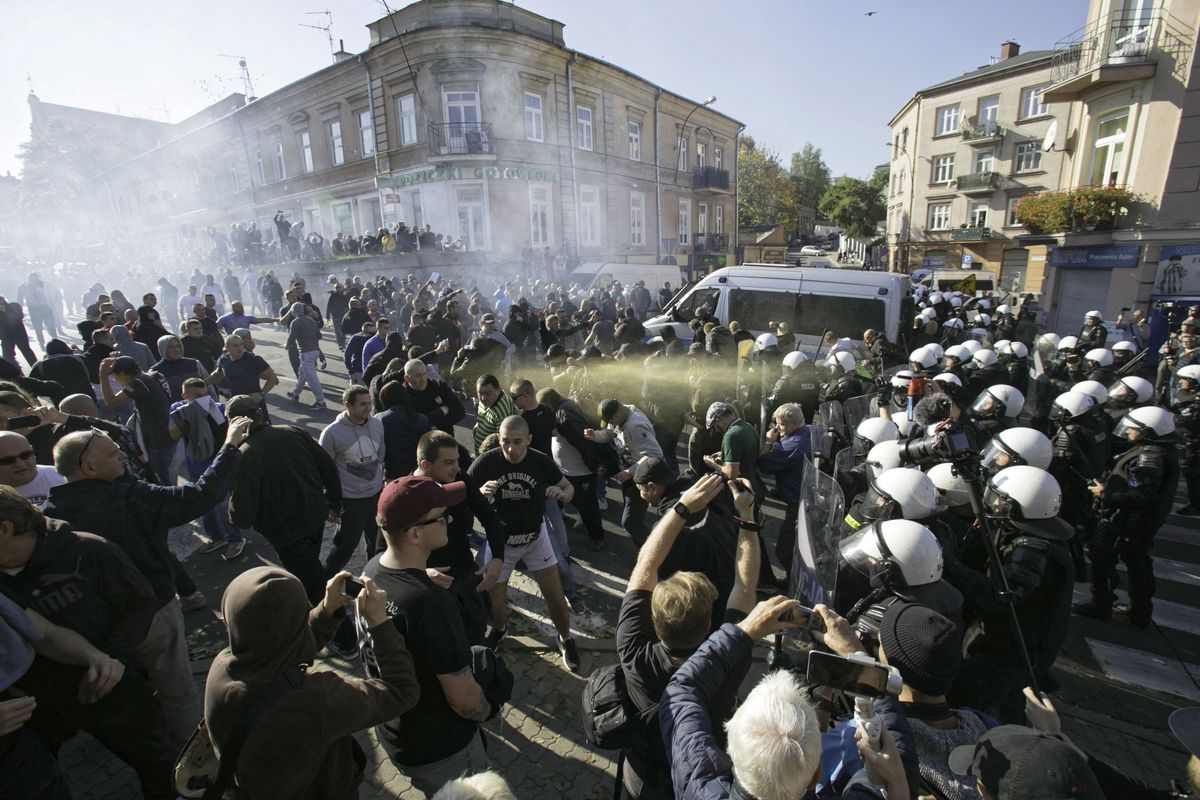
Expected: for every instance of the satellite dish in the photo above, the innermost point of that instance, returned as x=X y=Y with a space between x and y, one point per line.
x=1051 y=135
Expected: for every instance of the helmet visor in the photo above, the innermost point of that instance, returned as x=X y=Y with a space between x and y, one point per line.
x=877 y=504
x=996 y=503
x=987 y=407
x=995 y=457
x=1128 y=425
x=862 y=551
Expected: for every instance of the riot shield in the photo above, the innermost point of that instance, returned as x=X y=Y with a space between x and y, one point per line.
x=835 y=422
x=856 y=409
x=815 y=560
x=822 y=443
x=843 y=461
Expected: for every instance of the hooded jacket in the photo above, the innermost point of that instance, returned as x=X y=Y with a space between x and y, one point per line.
x=126 y=346
x=64 y=368
x=148 y=329
x=302 y=746
x=82 y=582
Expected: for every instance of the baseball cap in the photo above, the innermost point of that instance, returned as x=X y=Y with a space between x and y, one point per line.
x=716 y=411
x=654 y=470
x=242 y=406
x=488 y=318
x=405 y=500
x=126 y=365
x=607 y=409
x=1018 y=763
x=555 y=350
x=924 y=645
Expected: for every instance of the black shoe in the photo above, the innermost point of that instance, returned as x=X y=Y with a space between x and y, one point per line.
x=570 y=655
x=494 y=638
x=1093 y=611
x=578 y=607
x=596 y=545
x=1188 y=511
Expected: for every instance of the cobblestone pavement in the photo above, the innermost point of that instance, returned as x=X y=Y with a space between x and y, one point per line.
x=537 y=742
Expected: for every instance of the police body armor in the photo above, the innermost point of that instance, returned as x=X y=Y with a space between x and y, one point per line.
x=841 y=388
x=801 y=386
x=1150 y=469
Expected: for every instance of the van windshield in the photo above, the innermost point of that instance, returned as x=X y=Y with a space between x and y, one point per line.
x=700 y=303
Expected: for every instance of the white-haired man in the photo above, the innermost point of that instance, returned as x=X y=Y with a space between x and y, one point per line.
x=774 y=741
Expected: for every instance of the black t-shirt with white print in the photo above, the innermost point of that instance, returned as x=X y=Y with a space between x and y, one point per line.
x=521 y=499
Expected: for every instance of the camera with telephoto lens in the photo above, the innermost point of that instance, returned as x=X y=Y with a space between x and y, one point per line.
x=949 y=443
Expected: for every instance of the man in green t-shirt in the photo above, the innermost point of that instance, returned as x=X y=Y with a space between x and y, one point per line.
x=739 y=446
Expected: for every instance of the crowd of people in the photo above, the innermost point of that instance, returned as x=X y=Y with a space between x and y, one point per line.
x=985 y=468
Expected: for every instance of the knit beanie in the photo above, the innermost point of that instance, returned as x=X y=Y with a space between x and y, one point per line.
x=923 y=645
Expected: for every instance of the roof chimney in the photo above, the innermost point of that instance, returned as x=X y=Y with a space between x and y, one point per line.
x=1008 y=50
x=341 y=55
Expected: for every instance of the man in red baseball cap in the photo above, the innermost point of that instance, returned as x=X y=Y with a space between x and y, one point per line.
x=412 y=517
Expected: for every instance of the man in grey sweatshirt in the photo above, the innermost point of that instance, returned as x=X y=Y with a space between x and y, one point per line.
x=305 y=336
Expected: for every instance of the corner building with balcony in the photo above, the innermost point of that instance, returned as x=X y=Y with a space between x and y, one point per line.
x=963 y=153
x=472 y=117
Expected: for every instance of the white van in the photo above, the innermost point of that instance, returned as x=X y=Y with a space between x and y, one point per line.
x=842 y=301
x=655 y=275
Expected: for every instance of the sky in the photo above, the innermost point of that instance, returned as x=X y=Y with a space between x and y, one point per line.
x=793 y=71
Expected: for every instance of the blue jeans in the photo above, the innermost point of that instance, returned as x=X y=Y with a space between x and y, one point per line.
x=557 y=529
x=160 y=459
x=217 y=525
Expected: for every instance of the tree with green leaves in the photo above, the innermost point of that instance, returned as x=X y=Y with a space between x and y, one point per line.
x=856 y=206
x=810 y=176
x=764 y=188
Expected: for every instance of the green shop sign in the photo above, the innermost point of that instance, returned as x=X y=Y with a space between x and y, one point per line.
x=439 y=174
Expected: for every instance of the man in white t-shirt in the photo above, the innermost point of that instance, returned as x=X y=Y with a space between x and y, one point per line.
x=20 y=470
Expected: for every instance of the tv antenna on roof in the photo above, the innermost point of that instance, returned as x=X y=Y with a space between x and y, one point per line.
x=246 y=83
x=327 y=28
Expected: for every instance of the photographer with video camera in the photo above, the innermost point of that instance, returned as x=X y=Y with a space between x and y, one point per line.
x=774 y=740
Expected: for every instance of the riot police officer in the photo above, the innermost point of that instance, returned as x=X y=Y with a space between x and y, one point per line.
x=870 y=432
x=956 y=359
x=843 y=383
x=1125 y=393
x=1015 y=447
x=1098 y=365
x=996 y=408
x=799 y=384
x=1076 y=461
x=1005 y=324
x=1123 y=353
x=1022 y=504
x=1134 y=502
x=1186 y=409
x=1093 y=334
x=1014 y=357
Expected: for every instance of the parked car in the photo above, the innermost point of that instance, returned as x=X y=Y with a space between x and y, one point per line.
x=811 y=250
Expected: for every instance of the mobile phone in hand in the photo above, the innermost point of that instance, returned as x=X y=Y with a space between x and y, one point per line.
x=27 y=421
x=352 y=587
x=804 y=618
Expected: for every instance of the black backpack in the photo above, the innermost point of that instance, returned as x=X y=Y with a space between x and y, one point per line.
x=610 y=719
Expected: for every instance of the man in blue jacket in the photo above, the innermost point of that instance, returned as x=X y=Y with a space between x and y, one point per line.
x=787 y=449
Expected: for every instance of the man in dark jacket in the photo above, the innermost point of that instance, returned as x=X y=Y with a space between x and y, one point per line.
x=89 y=586
x=287 y=487
x=63 y=367
x=352 y=356
x=336 y=307
x=577 y=457
x=101 y=498
x=433 y=398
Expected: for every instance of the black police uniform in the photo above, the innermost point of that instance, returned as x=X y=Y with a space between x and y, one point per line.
x=1092 y=336
x=801 y=386
x=841 y=388
x=1186 y=409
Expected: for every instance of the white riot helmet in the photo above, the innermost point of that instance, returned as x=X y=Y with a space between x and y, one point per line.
x=955 y=302
x=951 y=487
x=923 y=358
x=983 y=304
x=983 y=358
x=959 y=353
x=997 y=402
x=872 y=431
x=841 y=359
x=1099 y=356
x=1004 y=308
x=1029 y=498
x=900 y=493
x=1068 y=343
x=973 y=345
x=1003 y=346
x=1050 y=340
x=954 y=323
x=935 y=298
x=766 y=340
x=1189 y=373
x=794 y=359
x=1018 y=350
x=1094 y=388
x=1096 y=315
x=845 y=343
x=906 y=427
x=1069 y=405
x=1131 y=390
x=884 y=456
x=984 y=320
x=1016 y=446
x=1125 y=347
x=898 y=552
x=937 y=350
x=1153 y=422
x=948 y=378
x=901 y=379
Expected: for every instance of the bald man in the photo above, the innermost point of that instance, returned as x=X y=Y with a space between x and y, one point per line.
x=518 y=481
x=20 y=470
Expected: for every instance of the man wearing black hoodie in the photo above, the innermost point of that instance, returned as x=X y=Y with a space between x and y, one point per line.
x=63 y=367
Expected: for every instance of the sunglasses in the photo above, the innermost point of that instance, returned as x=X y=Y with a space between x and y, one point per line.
x=94 y=433
x=24 y=455
x=443 y=518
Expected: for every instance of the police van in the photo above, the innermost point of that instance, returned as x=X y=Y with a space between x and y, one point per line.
x=812 y=301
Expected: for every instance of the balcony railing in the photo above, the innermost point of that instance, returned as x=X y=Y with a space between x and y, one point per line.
x=711 y=242
x=1113 y=40
x=710 y=178
x=460 y=139
x=973 y=233
x=983 y=130
x=978 y=182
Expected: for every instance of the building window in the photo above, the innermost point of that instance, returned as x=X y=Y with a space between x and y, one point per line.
x=234 y=181
x=985 y=160
x=947 y=120
x=718 y=158
x=977 y=214
x=635 y=141
x=366 y=134
x=902 y=176
x=1107 y=169
x=280 y=167
x=989 y=108
x=939 y=216
x=306 y=159
x=1028 y=157
x=896 y=146
x=337 y=155
x=1010 y=218
x=589 y=215
x=904 y=141
x=533 y=117
x=637 y=218
x=702 y=218
x=539 y=215
x=462 y=108
x=701 y=155
x=1032 y=104
x=943 y=168
x=471 y=212
x=682 y=163
x=260 y=168
x=685 y=221
x=406 y=116
x=720 y=219
x=583 y=127
x=418 y=209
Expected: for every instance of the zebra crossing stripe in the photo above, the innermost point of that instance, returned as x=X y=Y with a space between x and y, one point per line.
x=1175 y=616
x=1140 y=668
